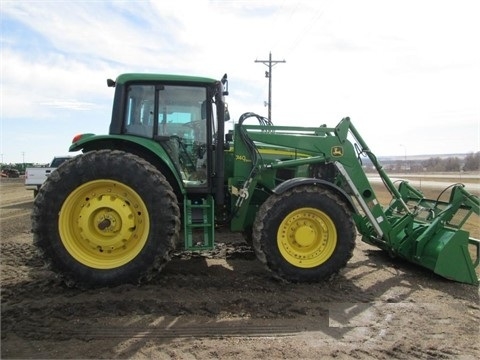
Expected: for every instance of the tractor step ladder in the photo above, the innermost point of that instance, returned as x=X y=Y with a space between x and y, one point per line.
x=199 y=224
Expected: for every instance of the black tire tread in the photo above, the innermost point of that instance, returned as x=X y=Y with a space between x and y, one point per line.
x=93 y=165
x=274 y=263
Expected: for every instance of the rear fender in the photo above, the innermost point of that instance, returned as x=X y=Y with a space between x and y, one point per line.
x=146 y=148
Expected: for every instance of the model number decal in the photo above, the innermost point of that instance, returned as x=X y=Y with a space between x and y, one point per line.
x=242 y=158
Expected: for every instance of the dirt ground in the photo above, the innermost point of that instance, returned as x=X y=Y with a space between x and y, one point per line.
x=223 y=305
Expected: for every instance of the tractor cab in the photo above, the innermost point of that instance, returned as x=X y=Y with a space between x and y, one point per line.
x=178 y=113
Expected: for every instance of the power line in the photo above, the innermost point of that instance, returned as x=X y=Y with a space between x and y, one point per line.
x=268 y=74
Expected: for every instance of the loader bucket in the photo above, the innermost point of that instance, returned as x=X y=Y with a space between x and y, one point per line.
x=430 y=233
x=424 y=231
x=447 y=254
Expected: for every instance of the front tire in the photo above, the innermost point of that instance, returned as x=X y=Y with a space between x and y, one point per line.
x=106 y=218
x=305 y=234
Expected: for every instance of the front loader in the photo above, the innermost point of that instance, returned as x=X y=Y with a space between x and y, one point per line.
x=425 y=232
x=168 y=175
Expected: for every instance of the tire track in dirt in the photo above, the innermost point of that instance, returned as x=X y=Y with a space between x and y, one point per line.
x=15 y=210
x=179 y=327
x=15 y=219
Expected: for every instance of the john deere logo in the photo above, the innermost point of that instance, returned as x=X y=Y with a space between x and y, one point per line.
x=337 y=151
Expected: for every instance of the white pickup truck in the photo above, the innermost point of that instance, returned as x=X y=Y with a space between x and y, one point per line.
x=35 y=176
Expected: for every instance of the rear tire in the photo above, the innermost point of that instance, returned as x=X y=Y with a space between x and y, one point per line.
x=305 y=234
x=106 y=218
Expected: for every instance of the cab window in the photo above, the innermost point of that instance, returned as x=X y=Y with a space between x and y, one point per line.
x=139 y=114
x=180 y=124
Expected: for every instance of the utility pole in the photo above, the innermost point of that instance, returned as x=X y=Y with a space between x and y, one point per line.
x=405 y=158
x=268 y=74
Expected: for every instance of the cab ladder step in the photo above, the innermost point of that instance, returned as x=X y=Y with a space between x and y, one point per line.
x=199 y=224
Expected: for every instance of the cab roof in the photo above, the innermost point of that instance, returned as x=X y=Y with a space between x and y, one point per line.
x=124 y=78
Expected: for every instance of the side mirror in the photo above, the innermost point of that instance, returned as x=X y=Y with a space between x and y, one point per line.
x=227 y=113
x=225 y=85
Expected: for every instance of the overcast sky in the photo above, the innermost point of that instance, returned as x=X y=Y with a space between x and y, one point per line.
x=406 y=72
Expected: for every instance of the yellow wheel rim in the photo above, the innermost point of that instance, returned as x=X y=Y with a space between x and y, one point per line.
x=104 y=224
x=307 y=237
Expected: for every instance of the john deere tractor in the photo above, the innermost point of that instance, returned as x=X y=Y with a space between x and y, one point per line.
x=168 y=175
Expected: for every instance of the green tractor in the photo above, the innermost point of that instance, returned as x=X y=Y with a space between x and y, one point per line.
x=168 y=175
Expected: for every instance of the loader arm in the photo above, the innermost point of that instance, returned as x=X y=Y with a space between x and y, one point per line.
x=330 y=145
